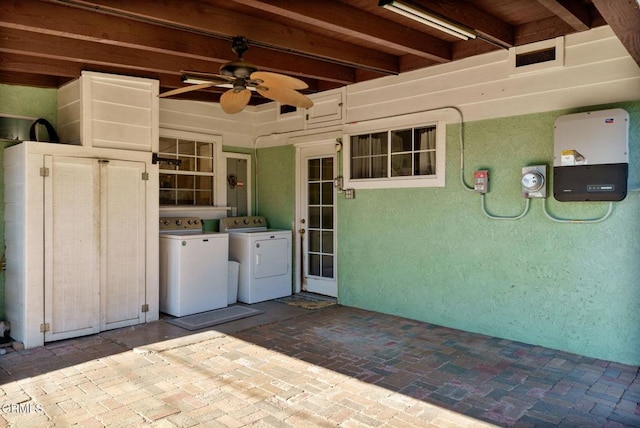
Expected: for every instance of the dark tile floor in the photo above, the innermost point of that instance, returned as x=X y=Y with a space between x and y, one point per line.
x=335 y=366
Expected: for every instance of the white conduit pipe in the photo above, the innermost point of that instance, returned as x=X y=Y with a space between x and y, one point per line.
x=562 y=220
x=496 y=217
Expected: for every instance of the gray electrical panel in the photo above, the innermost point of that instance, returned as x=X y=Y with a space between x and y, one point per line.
x=591 y=156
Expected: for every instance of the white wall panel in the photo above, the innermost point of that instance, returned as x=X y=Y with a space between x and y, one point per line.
x=208 y=118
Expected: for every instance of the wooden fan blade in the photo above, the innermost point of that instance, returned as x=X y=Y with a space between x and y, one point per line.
x=186 y=89
x=273 y=79
x=285 y=96
x=234 y=101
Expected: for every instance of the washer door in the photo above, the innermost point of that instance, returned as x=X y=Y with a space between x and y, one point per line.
x=270 y=257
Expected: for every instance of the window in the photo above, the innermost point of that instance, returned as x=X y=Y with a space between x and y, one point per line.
x=192 y=183
x=399 y=153
x=407 y=156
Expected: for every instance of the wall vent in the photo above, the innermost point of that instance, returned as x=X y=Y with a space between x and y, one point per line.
x=540 y=56
x=535 y=57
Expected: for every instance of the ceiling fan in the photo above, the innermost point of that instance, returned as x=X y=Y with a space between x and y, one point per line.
x=243 y=77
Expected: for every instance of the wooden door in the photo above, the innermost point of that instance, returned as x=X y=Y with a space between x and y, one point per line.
x=72 y=247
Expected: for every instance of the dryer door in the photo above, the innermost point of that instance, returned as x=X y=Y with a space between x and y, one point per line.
x=270 y=257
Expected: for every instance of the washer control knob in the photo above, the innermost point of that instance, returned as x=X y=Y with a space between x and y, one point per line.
x=246 y=221
x=261 y=220
x=179 y=222
x=236 y=221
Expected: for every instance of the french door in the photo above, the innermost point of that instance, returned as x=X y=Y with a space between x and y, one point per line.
x=316 y=231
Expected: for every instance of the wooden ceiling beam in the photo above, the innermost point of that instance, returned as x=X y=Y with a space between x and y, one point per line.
x=573 y=12
x=543 y=29
x=211 y=18
x=34 y=80
x=353 y=22
x=77 y=24
x=623 y=16
x=34 y=71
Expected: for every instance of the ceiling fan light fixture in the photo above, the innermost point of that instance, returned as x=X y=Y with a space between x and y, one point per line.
x=428 y=18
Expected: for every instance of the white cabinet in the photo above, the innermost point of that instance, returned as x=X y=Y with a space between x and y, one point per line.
x=328 y=109
x=109 y=111
x=82 y=242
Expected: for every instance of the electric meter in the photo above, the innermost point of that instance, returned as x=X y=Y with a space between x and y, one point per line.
x=533 y=181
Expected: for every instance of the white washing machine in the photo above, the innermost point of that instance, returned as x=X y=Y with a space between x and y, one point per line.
x=193 y=267
x=264 y=256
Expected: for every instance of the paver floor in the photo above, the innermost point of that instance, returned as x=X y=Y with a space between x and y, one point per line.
x=292 y=367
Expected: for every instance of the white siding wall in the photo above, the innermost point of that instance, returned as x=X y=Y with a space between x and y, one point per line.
x=597 y=70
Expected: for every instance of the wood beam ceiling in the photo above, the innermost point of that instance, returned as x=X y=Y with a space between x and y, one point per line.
x=624 y=18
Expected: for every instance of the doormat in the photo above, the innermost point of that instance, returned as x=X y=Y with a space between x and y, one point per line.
x=211 y=318
x=307 y=302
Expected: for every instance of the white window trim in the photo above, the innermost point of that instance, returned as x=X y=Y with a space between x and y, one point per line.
x=415 y=120
x=219 y=192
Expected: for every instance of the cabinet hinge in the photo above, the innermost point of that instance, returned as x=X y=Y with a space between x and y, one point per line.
x=44 y=171
x=145 y=176
x=145 y=308
x=45 y=327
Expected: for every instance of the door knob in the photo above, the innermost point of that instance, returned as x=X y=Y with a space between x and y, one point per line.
x=301 y=231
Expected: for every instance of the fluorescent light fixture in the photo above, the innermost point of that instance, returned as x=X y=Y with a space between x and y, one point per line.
x=195 y=81
x=428 y=18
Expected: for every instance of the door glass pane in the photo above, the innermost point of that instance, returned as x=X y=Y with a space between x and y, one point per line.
x=320 y=212
x=314 y=264
x=327 y=266
x=327 y=192
x=314 y=241
x=327 y=217
x=314 y=217
x=327 y=169
x=314 y=170
x=327 y=242
x=314 y=193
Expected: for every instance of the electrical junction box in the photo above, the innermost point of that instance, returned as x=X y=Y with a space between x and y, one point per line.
x=591 y=156
x=481 y=181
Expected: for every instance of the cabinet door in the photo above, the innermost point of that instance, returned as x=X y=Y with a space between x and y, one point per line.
x=124 y=249
x=72 y=246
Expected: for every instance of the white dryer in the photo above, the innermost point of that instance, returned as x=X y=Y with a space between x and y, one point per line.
x=264 y=256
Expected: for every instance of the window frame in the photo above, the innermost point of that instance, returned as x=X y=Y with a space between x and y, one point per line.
x=388 y=125
x=219 y=193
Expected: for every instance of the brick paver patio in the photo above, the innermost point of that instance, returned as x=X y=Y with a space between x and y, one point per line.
x=336 y=366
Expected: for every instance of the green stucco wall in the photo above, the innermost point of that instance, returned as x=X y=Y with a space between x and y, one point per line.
x=21 y=101
x=275 y=181
x=432 y=255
